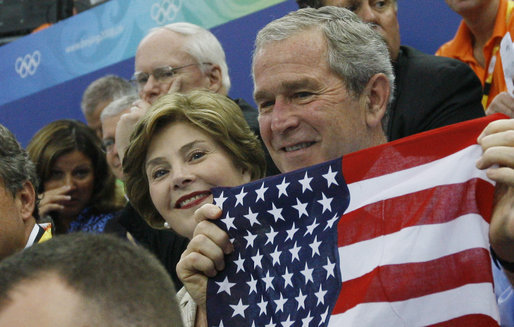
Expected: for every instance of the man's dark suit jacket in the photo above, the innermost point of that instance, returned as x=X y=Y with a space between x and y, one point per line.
x=431 y=92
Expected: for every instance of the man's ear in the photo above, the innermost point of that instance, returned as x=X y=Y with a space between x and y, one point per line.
x=215 y=78
x=376 y=99
x=26 y=198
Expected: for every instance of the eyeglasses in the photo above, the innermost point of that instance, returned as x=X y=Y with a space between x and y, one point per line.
x=108 y=145
x=160 y=74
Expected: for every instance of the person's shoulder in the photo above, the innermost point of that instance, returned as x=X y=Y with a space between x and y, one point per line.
x=415 y=55
x=424 y=62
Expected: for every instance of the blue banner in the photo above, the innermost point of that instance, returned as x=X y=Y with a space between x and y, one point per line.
x=101 y=37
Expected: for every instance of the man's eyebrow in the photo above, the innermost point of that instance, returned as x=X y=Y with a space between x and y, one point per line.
x=299 y=84
x=287 y=85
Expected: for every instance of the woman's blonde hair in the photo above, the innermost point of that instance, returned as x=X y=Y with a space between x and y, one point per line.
x=212 y=113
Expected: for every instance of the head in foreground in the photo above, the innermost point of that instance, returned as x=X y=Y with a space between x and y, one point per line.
x=86 y=280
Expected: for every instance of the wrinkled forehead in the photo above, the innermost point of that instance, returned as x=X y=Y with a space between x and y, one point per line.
x=296 y=46
x=162 y=48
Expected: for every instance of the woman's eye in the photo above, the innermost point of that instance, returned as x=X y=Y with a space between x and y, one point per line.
x=82 y=173
x=159 y=173
x=197 y=155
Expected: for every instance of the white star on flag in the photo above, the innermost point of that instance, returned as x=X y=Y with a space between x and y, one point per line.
x=301 y=207
x=276 y=212
x=225 y=286
x=282 y=188
x=240 y=197
x=239 y=309
x=252 y=217
x=325 y=202
x=260 y=192
x=220 y=200
x=306 y=183
x=330 y=176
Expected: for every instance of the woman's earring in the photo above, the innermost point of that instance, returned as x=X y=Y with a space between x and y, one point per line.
x=166 y=225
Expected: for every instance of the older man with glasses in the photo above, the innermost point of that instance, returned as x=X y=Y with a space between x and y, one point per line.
x=180 y=57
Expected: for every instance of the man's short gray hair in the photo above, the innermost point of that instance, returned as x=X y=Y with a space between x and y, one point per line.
x=117 y=106
x=106 y=88
x=202 y=45
x=355 y=51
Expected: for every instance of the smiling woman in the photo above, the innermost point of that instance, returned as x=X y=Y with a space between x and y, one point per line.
x=184 y=146
x=77 y=187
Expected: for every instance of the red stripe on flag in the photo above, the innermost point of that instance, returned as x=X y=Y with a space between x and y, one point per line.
x=405 y=153
x=401 y=282
x=431 y=206
x=469 y=320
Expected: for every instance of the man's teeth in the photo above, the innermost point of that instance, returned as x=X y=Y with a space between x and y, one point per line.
x=297 y=146
x=188 y=201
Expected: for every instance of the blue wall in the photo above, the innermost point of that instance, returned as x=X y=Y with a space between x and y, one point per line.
x=27 y=104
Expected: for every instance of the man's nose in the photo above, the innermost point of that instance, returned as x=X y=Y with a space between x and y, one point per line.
x=367 y=14
x=282 y=117
x=150 y=89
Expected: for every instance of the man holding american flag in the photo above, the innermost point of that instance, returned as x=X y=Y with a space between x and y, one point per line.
x=323 y=82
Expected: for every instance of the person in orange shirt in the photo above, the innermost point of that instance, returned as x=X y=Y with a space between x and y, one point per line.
x=477 y=42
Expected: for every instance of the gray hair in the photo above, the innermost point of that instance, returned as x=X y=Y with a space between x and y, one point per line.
x=117 y=106
x=16 y=168
x=105 y=88
x=355 y=51
x=202 y=45
x=319 y=3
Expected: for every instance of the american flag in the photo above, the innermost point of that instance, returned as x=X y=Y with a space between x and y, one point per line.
x=400 y=240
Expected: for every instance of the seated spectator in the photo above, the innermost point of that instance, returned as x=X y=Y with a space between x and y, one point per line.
x=109 y=119
x=181 y=57
x=477 y=41
x=322 y=105
x=430 y=91
x=165 y=244
x=86 y=280
x=77 y=187
x=18 y=184
x=98 y=95
x=184 y=146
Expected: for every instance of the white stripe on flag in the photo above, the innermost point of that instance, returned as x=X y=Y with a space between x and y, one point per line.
x=424 y=310
x=426 y=242
x=448 y=170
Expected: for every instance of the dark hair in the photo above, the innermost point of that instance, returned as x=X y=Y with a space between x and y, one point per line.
x=16 y=168
x=64 y=136
x=121 y=284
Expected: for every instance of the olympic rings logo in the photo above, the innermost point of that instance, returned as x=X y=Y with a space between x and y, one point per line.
x=28 y=64
x=165 y=11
